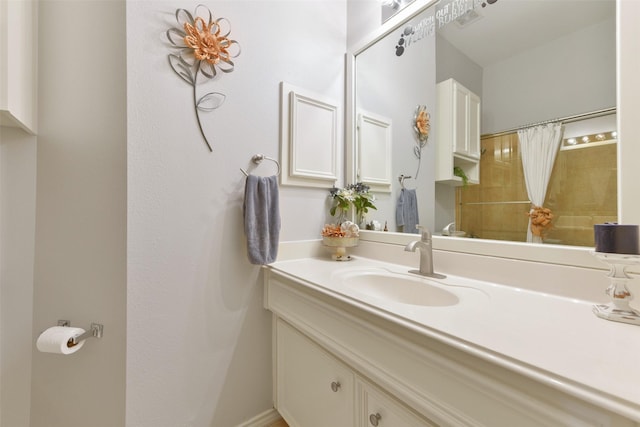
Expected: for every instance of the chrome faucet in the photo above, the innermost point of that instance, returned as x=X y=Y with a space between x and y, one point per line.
x=426 y=254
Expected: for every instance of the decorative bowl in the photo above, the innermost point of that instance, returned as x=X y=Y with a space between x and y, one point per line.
x=339 y=246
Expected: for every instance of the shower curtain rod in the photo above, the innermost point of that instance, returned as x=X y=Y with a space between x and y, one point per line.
x=568 y=119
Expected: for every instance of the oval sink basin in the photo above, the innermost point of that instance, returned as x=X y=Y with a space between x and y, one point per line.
x=399 y=288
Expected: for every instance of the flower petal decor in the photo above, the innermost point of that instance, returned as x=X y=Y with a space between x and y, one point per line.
x=540 y=220
x=422 y=124
x=422 y=127
x=203 y=48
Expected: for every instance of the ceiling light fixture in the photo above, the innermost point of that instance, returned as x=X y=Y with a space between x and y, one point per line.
x=467 y=18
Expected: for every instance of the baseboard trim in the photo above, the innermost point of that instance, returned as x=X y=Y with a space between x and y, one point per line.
x=263 y=419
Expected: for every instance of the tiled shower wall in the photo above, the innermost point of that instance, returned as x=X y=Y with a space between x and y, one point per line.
x=582 y=192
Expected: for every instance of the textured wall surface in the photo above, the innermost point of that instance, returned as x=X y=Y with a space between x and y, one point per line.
x=80 y=246
x=198 y=338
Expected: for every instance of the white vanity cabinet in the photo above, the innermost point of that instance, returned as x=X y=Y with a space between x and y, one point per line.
x=458 y=133
x=314 y=389
x=340 y=362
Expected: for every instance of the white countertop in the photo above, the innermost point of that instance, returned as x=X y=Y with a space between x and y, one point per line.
x=552 y=339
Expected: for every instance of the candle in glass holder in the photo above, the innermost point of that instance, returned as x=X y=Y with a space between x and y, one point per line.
x=616 y=238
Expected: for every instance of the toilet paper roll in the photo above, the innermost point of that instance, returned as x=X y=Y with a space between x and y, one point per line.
x=56 y=340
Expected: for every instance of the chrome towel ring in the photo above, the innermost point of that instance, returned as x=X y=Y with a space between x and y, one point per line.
x=257 y=159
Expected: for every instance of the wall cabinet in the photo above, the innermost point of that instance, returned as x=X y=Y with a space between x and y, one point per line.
x=18 y=64
x=458 y=133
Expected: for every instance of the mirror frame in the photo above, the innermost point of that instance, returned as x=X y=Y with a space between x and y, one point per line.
x=628 y=105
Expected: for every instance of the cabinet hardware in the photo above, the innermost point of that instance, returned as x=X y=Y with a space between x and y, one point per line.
x=374 y=419
x=335 y=386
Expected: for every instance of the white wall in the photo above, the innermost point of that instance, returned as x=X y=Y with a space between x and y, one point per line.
x=17 y=229
x=451 y=63
x=80 y=258
x=198 y=338
x=574 y=74
x=364 y=17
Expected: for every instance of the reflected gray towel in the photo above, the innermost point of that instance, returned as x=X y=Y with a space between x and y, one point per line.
x=407 y=211
x=261 y=218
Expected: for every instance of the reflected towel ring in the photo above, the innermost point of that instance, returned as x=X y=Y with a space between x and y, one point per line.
x=401 y=179
x=257 y=159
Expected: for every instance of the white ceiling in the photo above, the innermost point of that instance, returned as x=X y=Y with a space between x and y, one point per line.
x=509 y=26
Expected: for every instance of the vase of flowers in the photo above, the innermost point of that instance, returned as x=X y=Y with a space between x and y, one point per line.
x=353 y=195
x=344 y=233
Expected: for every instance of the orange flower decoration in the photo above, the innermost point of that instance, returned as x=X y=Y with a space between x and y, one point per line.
x=540 y=220
x=422 y=123
x=203 y=48
x=332 y=230
x=203 y=45
x=206 y=41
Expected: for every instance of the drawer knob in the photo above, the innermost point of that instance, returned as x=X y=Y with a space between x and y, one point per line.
x=335 y=386
x=374 y=419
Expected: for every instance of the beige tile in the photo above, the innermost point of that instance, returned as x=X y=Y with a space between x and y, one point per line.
x=582 y=192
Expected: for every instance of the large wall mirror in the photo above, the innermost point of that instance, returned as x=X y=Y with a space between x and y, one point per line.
x=529 y=62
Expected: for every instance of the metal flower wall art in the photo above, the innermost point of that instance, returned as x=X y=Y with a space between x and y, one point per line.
x=422 y=127
x=203 y=49
x=422 y=124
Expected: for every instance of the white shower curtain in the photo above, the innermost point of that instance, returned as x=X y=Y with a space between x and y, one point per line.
x=538 y=148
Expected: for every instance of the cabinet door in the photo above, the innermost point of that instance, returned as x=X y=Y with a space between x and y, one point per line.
x=313 y=389
x=466 y=107
x=378 y=409
x=460 y=114
x=473 y=149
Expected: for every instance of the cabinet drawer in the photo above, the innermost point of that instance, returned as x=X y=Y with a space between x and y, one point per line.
x=378 y=409
x=313 y=388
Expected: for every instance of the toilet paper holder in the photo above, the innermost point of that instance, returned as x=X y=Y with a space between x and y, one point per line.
x=94 y=331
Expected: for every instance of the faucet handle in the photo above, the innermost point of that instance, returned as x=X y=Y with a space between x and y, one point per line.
x=449 y=229
x=424 y=231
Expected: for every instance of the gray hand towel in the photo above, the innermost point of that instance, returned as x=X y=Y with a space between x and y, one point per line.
x=261 y=218
x=407 y=211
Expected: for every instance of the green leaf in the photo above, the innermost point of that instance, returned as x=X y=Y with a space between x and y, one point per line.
x=457 y=171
